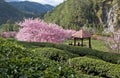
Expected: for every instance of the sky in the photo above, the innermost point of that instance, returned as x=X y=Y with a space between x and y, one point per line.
x=51 y=2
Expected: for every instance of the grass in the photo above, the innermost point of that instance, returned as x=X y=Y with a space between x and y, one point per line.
x=96 y=44
x=99 y=45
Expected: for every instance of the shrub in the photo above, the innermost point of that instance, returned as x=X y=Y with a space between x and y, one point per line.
x=95 y=67
x=18 y=62
x=54 y=54
x=9 y=49
x=65 y=72
x=109 y=57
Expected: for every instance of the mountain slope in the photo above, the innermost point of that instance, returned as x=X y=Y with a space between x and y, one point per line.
x=8 y=12
x=31 y=7
x=73 y=14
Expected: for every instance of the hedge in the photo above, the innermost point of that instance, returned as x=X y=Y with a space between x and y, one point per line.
x=106 y=56
x=17 y=61
x=95 y=67
x=54 y=54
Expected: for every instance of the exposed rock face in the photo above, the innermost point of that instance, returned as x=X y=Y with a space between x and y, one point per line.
x=108 y=15
x=112 y=18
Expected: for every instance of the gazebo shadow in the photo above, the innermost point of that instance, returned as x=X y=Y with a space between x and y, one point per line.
x=78 y=43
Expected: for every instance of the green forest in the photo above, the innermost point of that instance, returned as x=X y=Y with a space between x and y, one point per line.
x=83 y=13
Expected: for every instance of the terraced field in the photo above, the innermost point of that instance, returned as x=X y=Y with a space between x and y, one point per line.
x=49 y=60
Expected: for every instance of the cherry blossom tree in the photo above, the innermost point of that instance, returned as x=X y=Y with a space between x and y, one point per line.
x=113 y=43
x=36 y=30
x=8 y=34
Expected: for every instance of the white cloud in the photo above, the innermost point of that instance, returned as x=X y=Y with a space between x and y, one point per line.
x=52 y=2
x=55 y=2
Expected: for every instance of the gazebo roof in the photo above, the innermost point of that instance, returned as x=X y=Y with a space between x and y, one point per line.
x=81 y=34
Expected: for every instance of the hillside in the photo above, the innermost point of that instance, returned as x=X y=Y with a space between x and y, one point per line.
x=90 y=13
x=31 y=7
x=9 y=13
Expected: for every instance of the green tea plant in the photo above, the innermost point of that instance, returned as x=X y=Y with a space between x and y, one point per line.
x=95 y=67
x=106 y=56
x=17 y=61
x=54 y=54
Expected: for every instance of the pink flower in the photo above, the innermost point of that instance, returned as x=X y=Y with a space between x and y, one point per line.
x=36 y=30
x=8 y=34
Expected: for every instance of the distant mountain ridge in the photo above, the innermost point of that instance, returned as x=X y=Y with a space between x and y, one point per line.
x=31 y=7
x=8 y=12
x=18 y=10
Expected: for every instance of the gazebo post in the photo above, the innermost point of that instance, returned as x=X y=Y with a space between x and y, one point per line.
x=82 y=35
x=82 y=42
x=74 y=41
x=89 y=42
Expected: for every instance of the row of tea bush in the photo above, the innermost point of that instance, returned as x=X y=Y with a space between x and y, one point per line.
x=16 y=61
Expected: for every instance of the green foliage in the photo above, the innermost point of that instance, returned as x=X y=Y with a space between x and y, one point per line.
x=48 y=60
x=61 y=73
x=95 y=67
x=63 y=15
x=31 y=7
x=17 y=61
x=106 y=56
x=74 y=14
x=54 y=54
x=9 y=27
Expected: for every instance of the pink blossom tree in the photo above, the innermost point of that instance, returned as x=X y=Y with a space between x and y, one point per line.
x=8 y=34
x=113 y=43
x=36 y=30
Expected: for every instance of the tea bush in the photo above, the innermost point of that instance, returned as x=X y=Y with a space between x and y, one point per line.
x=54 y=54
x=17 y=61
x=106 y=56
x=95 y=67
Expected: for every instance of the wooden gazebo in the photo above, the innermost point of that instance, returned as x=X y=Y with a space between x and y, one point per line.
x=82 y=34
